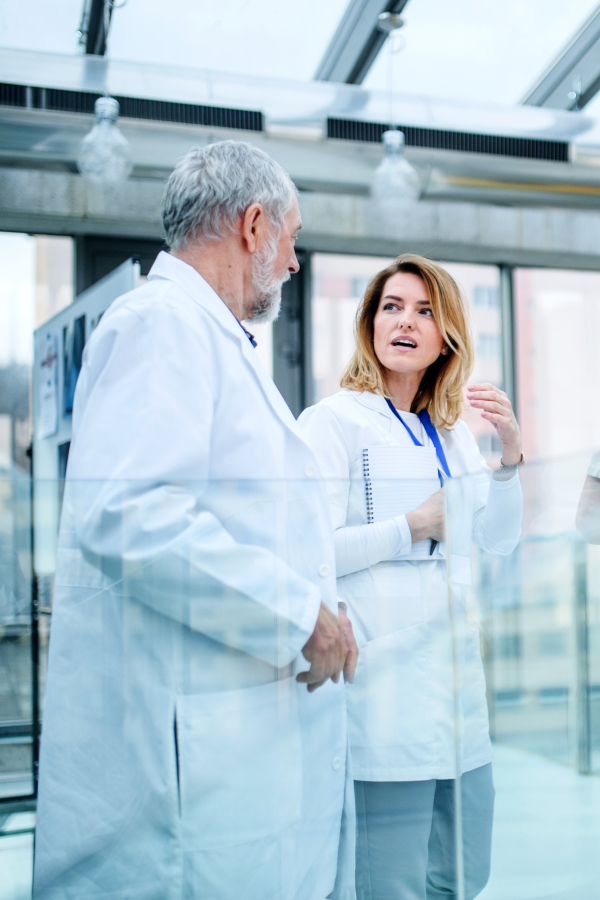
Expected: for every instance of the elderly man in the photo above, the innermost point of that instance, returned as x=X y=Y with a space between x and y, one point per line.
x=182 y=754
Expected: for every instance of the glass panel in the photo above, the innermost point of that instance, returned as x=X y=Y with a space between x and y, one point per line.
x=523 y=609
x=275 y=38
x=35 y=25
x=460 y=50
x=532 y=609
x=558 y=366
x=179 y=616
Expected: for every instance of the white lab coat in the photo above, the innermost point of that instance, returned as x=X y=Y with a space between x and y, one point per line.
x=402 y=718
x=180 y=758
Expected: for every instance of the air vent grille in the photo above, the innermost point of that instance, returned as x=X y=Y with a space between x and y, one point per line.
x=13 y=95
x=132 y=107
x=461 y=141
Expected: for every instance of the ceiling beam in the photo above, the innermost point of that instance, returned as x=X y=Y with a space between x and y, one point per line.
x=95 y=25
x=357 y=41
x=573 y=79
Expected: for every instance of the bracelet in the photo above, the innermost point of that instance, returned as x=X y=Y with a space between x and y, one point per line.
x=513 y=465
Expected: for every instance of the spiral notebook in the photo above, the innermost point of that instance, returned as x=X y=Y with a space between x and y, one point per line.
x=398 y=480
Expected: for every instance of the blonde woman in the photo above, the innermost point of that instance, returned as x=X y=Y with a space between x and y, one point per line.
x=404 y=387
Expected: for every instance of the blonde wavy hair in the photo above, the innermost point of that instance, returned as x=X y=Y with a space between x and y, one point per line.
x=441 y=388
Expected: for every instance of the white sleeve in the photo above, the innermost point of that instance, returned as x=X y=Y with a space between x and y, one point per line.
x=143 y=420
x=361 y=546
x=497 y=507
x=594 y=467
x=497 y=525
x=357 y=546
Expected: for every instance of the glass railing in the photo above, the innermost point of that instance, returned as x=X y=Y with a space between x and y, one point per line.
x=178 y=747
x=536 y=611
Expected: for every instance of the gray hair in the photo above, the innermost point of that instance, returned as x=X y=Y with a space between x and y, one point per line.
x=212 y=187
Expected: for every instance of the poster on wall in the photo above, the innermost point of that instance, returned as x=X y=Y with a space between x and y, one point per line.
x=48 y=421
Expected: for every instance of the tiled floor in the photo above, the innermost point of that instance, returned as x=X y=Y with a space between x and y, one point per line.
x=16 y=856
x=546 y=835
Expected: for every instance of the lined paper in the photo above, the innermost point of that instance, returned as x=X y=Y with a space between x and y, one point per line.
x=398 y=480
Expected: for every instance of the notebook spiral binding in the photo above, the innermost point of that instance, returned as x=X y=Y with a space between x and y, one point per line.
x=368 y=486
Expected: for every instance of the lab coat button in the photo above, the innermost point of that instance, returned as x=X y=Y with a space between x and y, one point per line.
x=324 y=570
x=337 y=762
x=310 y=471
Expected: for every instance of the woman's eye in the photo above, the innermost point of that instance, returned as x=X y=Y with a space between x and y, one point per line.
x=426 y=312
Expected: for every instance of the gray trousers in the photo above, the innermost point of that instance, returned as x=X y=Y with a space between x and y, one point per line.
x=405 y=840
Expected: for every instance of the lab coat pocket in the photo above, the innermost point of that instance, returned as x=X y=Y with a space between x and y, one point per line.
x=390 y=712
x=240 y=765
x=390 y=598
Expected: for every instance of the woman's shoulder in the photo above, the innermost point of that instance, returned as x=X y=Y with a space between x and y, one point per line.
x=340 y=405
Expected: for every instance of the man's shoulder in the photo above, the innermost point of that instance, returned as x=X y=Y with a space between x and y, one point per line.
x=160 y=300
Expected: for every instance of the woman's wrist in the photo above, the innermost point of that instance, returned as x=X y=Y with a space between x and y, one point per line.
x=511 y=454
x=416 y=525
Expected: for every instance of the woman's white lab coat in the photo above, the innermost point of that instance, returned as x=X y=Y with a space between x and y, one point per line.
x=180 y=758
x=403 y=721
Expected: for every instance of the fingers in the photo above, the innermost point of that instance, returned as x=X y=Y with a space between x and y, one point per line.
x=352 y=654
x=478 y=392
x=331 y=650
x=493 y=406
x=326 y=651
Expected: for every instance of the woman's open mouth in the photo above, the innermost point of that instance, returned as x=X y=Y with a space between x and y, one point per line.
x=405 y=343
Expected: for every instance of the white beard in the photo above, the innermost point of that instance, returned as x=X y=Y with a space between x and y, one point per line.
x=265 y=287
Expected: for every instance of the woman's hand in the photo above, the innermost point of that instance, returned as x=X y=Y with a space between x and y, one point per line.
x=497 y=409
x=428 y=520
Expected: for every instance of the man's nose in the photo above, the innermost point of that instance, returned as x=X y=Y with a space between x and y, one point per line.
x=294 y=265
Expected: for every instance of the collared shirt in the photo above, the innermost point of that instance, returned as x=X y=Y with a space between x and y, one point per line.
x=250 y=337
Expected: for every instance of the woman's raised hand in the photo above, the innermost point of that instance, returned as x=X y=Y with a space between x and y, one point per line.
x=497 y=409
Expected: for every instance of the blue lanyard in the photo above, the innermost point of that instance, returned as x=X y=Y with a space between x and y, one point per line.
x=433 y=436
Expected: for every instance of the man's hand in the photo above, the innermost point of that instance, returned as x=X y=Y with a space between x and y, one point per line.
x=326 y=650
x=352 y=657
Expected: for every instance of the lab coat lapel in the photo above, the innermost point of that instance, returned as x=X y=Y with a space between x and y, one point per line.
x=187 y=278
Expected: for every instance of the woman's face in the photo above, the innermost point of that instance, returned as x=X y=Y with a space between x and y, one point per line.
x=406 y=337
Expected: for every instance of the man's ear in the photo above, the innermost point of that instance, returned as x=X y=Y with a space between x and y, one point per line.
x=253 y=227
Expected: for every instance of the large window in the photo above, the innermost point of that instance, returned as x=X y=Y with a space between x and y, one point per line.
x=558 y=364
x=36 y=281
x=339 y=284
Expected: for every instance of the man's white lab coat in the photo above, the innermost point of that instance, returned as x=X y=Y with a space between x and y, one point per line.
x=180 y=758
